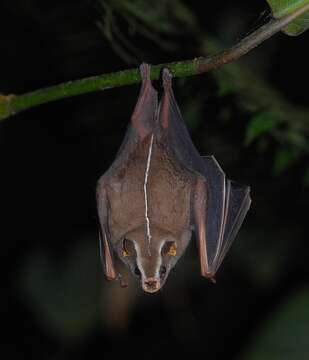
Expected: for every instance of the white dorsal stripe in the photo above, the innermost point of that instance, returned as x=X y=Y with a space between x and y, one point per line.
x=145 y=193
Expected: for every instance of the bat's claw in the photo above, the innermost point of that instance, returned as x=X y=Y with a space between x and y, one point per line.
x=210 y=276
x=213 y=280
x=122 y=283
x=118 y=278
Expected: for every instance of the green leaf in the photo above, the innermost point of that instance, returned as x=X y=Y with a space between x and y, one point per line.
x=285 y=334
x=284 y=159
x=259 y=124
x=281 y=8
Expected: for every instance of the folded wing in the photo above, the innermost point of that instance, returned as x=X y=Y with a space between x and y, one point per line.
x=226 y=206
x=226 y=202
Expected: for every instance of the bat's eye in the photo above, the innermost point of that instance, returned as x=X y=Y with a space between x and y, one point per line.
x=136 y=271
x=162 y=271
x=127 y=248
x=169 y=248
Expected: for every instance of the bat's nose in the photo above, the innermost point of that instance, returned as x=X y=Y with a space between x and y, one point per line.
x=151 y=284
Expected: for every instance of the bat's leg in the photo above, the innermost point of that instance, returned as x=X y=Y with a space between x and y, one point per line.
x=166 y=99
x=146 y=106
x=199 y=208
x=105 y=249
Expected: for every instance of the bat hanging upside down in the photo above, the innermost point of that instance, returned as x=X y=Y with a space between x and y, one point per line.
x=159 y=189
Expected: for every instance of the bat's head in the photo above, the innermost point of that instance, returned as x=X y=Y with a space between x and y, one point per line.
x=152 y=260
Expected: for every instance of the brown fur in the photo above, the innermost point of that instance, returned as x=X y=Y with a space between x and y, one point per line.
x=169 y=192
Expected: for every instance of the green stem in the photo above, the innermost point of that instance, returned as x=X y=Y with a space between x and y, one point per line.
x=13 y=104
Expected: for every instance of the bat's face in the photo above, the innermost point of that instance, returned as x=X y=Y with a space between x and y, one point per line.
x=150 y=261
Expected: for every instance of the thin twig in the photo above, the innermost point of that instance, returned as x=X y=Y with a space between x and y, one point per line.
x=13 y=104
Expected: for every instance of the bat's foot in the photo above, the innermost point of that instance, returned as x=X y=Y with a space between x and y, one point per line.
x=145 y=71
x=167 y=78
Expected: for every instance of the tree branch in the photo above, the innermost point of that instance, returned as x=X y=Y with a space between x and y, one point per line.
x=13 y=104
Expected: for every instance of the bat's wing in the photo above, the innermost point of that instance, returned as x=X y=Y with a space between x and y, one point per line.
x=220 y=205
x=106 y=252
x=226 y=206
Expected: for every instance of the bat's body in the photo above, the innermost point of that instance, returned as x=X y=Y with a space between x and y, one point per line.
x=159 y=189
x=166 y=186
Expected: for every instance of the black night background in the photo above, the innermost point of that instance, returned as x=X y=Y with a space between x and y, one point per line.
x=253 y=115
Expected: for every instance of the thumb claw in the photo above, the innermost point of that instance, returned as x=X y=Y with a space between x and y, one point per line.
x=122 y=283
x=211 y=277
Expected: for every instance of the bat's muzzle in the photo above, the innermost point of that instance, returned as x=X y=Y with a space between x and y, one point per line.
x=151 y=284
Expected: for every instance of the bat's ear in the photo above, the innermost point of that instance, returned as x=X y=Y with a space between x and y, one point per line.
x=107 y=258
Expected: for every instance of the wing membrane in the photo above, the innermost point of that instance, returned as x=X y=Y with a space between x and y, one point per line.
x=226 y=202
x=227 y=205
x=237 y=207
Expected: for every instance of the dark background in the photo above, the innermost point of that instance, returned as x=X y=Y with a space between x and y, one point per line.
x=253 y=115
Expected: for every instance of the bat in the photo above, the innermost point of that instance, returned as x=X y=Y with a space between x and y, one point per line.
x=159 y=189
